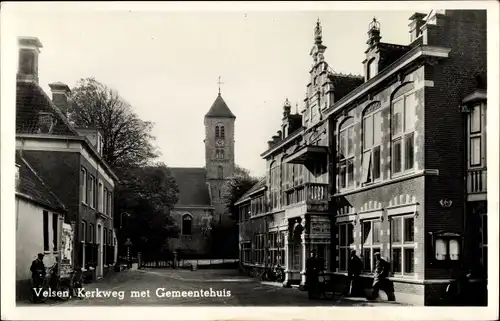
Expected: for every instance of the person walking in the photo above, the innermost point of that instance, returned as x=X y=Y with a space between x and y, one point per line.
x=354 y=267
x=380 y=279
x=312 y=275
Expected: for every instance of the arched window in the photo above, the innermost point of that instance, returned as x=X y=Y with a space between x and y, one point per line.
x=403 y=126
x=222 y=133
x=345 y=154
x=217 y=132
x=372 y=139
x=220 y=172
x=187 y=223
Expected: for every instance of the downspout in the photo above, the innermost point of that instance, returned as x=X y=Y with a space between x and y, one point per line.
x=464 y=175
x=332 y=189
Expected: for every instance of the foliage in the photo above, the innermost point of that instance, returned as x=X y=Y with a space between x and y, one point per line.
x=234 y=188
x=127 y=139
x=147 y=195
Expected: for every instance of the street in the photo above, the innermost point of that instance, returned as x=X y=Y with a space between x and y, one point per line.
x=139 y=287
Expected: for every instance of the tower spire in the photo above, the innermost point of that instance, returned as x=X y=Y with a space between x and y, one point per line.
x=219 y=82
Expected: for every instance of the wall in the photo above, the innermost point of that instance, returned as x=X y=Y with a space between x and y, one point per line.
x=197 y=243
x=29 y=221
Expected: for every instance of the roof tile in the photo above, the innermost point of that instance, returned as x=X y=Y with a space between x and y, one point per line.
x=193 y=187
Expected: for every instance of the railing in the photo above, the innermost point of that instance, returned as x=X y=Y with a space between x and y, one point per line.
x=307 y=192
x=476 y=181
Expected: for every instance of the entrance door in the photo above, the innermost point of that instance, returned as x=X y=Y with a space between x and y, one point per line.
x=100 y=266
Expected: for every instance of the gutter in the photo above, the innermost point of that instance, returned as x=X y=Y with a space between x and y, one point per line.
x=72 y=138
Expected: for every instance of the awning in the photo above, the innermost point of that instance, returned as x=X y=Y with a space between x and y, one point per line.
x=306 y=153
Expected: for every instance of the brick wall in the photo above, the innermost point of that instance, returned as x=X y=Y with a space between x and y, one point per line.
x=463 y=31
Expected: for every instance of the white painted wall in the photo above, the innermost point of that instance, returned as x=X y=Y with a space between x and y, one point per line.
x=29 y=237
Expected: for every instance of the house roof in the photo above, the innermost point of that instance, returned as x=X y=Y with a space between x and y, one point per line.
x=219 y=109
x=257 y=186
x=193 y=187
x=343 y=84
x=30 y=100
x=33 y=187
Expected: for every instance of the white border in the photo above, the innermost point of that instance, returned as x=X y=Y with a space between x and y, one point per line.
x=8 y=68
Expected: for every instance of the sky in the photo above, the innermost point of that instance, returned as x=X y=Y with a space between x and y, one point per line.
x=166 y=65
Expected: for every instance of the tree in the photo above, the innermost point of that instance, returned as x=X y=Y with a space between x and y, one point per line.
x=127 y=139
x=148 y=194
x=234 y=188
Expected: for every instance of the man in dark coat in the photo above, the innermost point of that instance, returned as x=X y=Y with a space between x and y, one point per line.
x=38 y=271
x=355 y=266
x=313 y=269
x=380 y=279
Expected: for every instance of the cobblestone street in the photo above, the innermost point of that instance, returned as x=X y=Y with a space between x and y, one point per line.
x=244 y=291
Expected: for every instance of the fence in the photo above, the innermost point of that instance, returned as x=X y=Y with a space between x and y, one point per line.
x=186 y=263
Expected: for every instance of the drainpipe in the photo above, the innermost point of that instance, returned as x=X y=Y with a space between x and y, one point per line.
x=332 y=188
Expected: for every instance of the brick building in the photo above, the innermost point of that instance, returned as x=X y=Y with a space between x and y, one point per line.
x=405 y=160
x=69 y=162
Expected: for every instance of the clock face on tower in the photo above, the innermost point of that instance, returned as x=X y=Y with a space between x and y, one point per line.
x=219 y=142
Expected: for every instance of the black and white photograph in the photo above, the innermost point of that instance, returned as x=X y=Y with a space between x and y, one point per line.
x=306 y=158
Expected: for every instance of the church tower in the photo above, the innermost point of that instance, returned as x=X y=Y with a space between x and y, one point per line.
x=219 y=151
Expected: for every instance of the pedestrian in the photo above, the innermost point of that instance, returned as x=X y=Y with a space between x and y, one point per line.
x=354 y=267
x=312 y=275
x=38 y=272
x=380 y=279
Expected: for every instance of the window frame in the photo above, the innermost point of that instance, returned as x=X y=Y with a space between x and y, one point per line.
x=371 y=113
x=345 y=160
x=83 y=187
x=187 y=218
x=406 y=134
x=371 y=246
x=100 y=196
x=91 y=191
x=346 y=246
x=402 y=244
x=477 y=135
x=246 y=251
x=46 y=231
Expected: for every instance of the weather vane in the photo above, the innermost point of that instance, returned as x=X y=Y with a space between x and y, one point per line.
x=219 y=82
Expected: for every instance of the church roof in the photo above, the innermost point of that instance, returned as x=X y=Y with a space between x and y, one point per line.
x=193 y=187
x=219 y=109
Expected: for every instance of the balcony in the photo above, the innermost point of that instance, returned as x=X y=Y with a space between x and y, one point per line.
x=476 y=184
x=306 y=153
x=314 y=195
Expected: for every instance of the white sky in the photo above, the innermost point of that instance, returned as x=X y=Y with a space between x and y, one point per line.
x=166 y=65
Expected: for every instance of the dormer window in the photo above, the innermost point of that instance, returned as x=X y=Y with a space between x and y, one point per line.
x=45 y=123
x=371 y=69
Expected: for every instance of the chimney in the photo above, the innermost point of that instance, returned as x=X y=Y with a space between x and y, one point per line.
x=270 y=144
x=60 y=94
x=29 y=48
x=417 y=21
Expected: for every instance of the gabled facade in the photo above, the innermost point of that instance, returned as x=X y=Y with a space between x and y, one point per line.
x=69 y=163
x=392 y=162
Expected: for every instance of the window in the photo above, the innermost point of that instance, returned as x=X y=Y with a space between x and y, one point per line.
x=371 y=69
x=91 y=191
x=46 y=246
x=110 y=204
x=220 y=172
x=83 y=233
x=476 y=130
x=275 y=185
x=186 y=224
x=222 y=133
x=91 y=234
x=403 y=126
x=370 y=243
x=219 y=153
x=219 y=131
x=246 y=249
x=101 y=197
x=259 y=249
x=345 y=232
x=106 y=200
x=322 y=254
x=447 y=248
x=372 y=139
x=484 y=240
x=83 y=182
x=55 y=225
x=403 y=245
x=346 y=154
